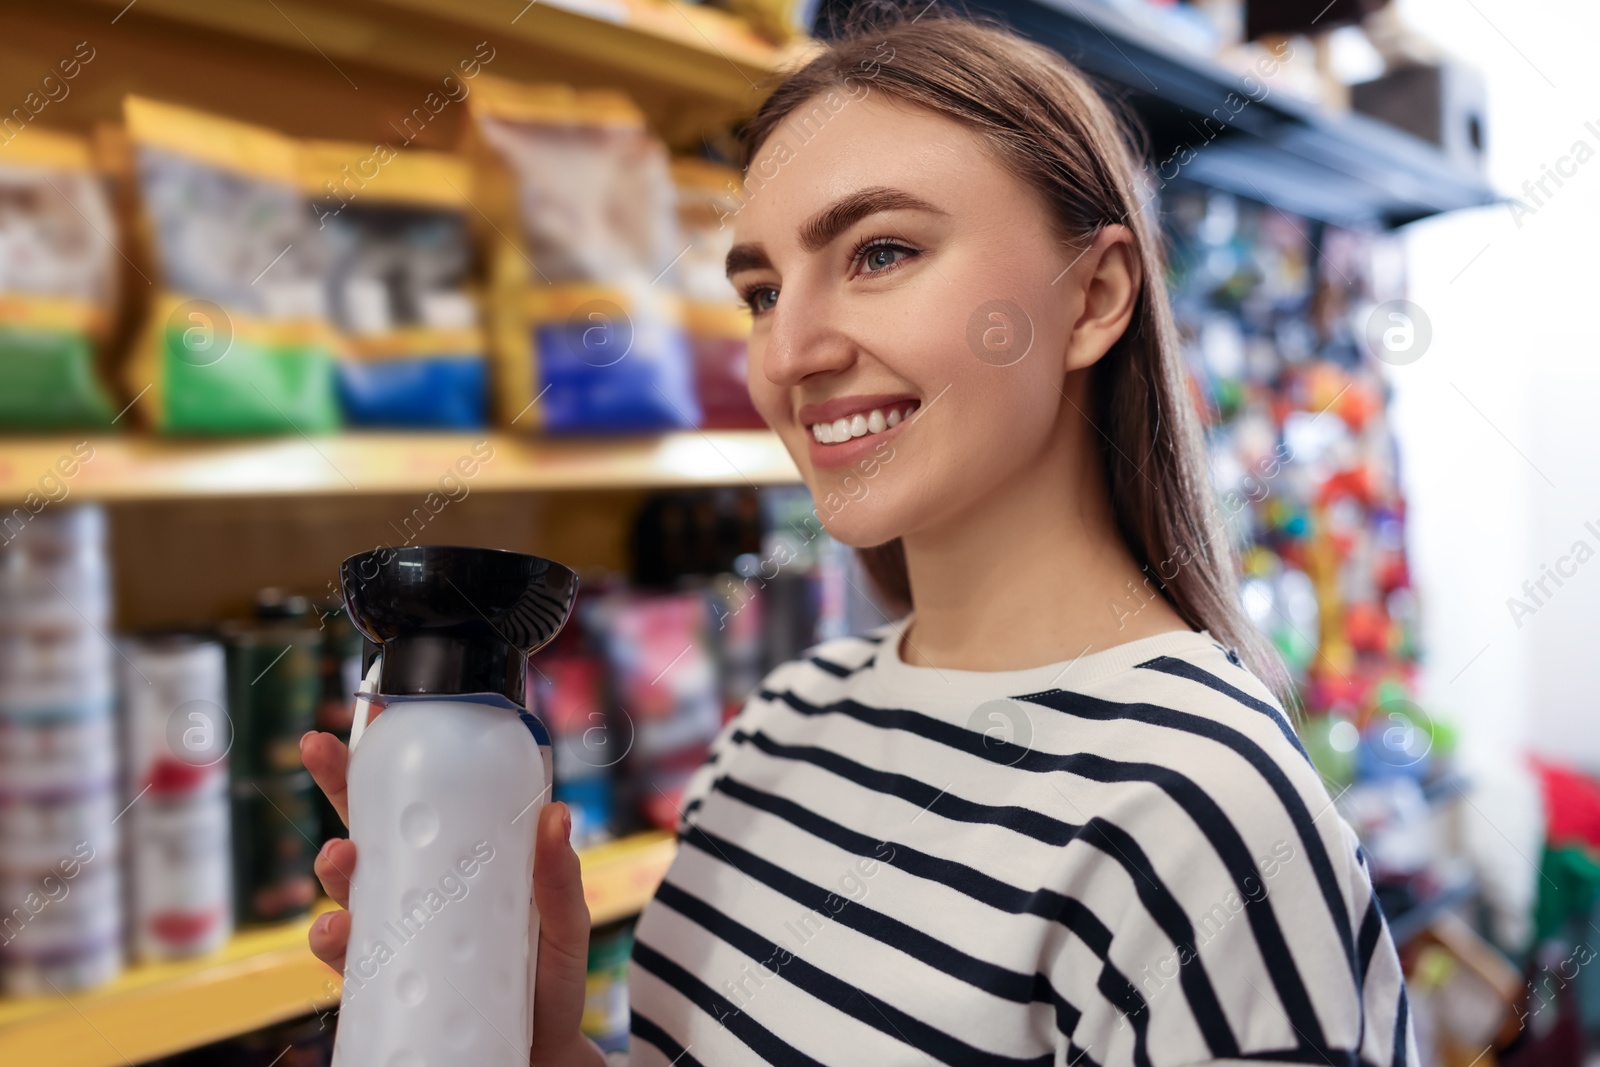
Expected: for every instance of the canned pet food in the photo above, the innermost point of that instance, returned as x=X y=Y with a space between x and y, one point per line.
x=175 y=715
x=180 y=875
x=274 y=682
x=274 y=827
x=61 y=932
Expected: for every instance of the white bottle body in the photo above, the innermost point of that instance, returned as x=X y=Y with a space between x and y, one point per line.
x=444 y=796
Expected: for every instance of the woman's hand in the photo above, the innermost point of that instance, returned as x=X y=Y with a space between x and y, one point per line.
x=557 y=889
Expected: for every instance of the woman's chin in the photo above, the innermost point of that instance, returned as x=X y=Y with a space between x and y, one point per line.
x=855 y=534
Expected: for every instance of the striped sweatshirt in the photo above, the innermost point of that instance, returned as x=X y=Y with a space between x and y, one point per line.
x=1126 y=859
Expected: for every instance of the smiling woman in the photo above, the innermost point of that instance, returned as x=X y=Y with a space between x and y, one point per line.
x=1013 y=229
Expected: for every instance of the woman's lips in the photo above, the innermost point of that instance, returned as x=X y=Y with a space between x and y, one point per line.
x=846 y=407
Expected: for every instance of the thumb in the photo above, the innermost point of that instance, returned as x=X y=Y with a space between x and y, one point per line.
x=563 y=932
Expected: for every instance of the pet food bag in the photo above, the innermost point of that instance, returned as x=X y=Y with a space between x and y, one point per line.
x=413 y=349
x=588 y=323
x=718 y=324
x=57 y=283
x=237 y=339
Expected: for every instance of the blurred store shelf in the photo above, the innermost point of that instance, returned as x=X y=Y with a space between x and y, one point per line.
x=620 y=876
x=1345 y=169
x=319 y=69
x=264 y=976
x=138 y=468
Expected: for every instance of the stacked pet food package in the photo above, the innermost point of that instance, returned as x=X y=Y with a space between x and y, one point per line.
x=177 y=739
x=58 y=265
x=581 y=236
x=719 y=328
x=413 y=352
x=60 y=886
x=240 y=268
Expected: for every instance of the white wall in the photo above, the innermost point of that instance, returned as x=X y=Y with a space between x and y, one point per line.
x=1499 y=421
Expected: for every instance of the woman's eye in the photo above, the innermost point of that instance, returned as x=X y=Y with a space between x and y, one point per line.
x=760 y=298
x=881 y=257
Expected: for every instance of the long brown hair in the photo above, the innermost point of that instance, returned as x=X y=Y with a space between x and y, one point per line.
x=1046 y=124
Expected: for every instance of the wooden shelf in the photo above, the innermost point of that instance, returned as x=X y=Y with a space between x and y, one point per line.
x=139 y=468
x=620 y=876
x=263 y=976
x=693 y=68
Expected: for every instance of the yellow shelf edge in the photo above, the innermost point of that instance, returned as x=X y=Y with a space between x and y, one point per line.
x=262 y=976
x=140 y=467
x=699 y=52
x=621 y=876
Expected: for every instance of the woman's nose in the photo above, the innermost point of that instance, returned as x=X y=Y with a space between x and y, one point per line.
x=805 y=339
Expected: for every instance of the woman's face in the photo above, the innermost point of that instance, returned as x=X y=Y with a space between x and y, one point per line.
x=912 y=312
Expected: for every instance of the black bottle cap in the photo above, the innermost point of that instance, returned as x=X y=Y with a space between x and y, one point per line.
x=454 y=619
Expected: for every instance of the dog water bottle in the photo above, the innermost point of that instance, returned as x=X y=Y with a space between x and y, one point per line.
x=448 y=773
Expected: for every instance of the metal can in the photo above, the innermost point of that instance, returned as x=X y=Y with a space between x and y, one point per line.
x=62 y=929
x=36 y=830
x=274 y=830
x=62 y=749
x=274 y=681
x=175 y=715
x=60 y=882
x=180 y=874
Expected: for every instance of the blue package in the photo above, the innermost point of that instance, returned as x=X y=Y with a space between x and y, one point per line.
x=446 y=393
x=601 y=370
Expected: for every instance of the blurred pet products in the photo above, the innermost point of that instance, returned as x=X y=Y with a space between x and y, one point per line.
x=589 y=333
x=413 y=352
x=585 y=745
x=177 y=739
x=719 y=327
x=708 y=196
x=719 y=339
x=605 y=1002
x=60 y=886
x=664 y=682
x=57 y=282
x=274 y=684
x=238 y=339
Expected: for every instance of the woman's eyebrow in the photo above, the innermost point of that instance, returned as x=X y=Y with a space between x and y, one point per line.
x=820 y=229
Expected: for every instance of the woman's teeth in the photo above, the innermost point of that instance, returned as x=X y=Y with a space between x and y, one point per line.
x=874 y=421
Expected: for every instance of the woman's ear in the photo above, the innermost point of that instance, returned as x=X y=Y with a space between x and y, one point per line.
x=1109 y=276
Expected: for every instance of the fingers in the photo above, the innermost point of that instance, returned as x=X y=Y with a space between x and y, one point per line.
x=326 y=757
x=558 y=886
x=335 y=865
x=330 y=935
x=563 y=932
